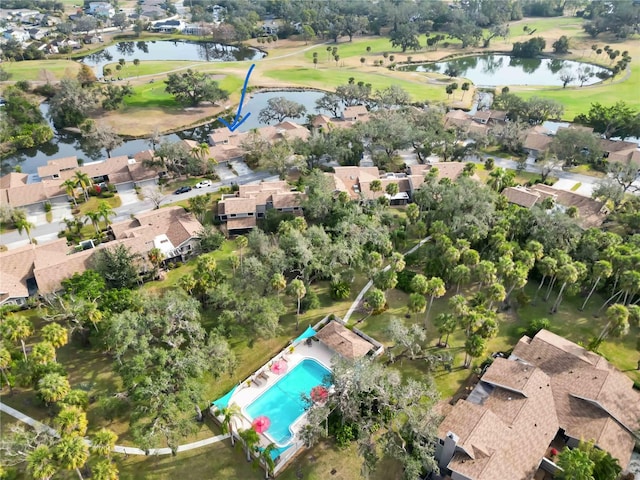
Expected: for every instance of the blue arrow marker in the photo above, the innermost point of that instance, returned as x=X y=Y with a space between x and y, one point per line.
x=238 y=120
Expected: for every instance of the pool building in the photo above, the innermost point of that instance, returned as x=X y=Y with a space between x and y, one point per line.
x=273 y=401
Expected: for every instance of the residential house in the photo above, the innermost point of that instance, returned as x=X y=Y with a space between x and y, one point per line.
x=461 y=120
x=19 y=34
x=101 y=9
x=355 y=113
x=356 y=181
x=618 y=151
x=92 y=39
x=591 y=213
x=490 y=117
x=241 y=210
x=32 y=269
x=54 y=169
x=549 y=394
x=537 y=141
x=38 y=33
x=168 y=26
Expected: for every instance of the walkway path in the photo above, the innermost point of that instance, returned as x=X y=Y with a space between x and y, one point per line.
x=4 y=408
x=369 y=284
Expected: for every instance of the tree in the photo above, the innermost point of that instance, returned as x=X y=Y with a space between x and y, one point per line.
x=103 y=442
x=568 y=274
x=474 y=347
x=71 y=421
x=308 y=33
x=435 y=289
x=69 y=186
x=575 y=147
x=104 y=470
x=375 y=300
x=199 y=205
x=229 y=413
x=529 y=49
x=24 y=225
x=405 y=37
x=41 y=463
x=575 y=464
x=329 y=102
x=162 y=352
x=392 y=96
x=84 y=182
x=625 y=175
x=117 y=266
x=499 y=179
x=71 y=453
x=43 y=353
x=86 y=76
x=617 y=120
x=105 y=211
x=71 y=104
x=297 y=290
x=279 y=108
x=446 y=324
x=17 y=328
x=617 y=316
x=100 y=137
x=155 y=195
x=241 y=242
x=561 y=45
x=5 y=364
x=601 y=269
x=192 y=87
x=567 y=76
x=53 y=387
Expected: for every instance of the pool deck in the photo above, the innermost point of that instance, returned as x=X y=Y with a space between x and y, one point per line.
x=245 y=395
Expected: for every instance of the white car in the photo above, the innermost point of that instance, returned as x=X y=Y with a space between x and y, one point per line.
x=202 y=184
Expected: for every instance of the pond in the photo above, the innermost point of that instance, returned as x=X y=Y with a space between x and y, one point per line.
x=66 y=144
x=170 y=50
x=494 y=70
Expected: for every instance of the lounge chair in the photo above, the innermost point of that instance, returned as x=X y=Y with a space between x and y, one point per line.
x=257 y=381
x=264 y=376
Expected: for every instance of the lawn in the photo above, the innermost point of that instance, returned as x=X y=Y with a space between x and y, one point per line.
x=92 y=204
x=34 y=70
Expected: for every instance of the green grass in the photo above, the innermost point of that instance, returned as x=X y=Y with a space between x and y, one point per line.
x=92 y=204
x=587 y=170
x=576 y=187
x=541 y=25
x=330 y=78
x=34 y=70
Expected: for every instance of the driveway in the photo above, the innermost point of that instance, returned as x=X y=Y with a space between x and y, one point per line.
x=224 y=172
x=241 y=168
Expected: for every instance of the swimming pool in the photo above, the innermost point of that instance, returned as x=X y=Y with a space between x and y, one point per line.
x=282 y=402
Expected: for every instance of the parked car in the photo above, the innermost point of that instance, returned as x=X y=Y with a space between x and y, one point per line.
x=203 y=184
x=182 y=190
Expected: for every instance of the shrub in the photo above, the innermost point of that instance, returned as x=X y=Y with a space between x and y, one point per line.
x=404 y=280
x=345 y=435
x=340 y=290
x=23 y=85
x=536 y=325
x=489 y=164
x=47 y=207
x=310 y=301
x=107 y=195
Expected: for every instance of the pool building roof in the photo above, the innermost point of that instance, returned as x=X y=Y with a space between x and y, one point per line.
x=343 y=341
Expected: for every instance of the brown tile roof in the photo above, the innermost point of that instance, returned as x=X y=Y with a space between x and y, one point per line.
x=54 y=167
x=343 y=341
x=590 y=211
x=508 y=434
x=288 y=200
x=237 y=205
x=117 y=168
x=348 y=179
x=593 y=400
x=521 y=196
x=175 y=222
x=13 y=179
x=537 y=141
x=240 y=223
x=355 y=112
x=26 y=194
x=611 y=146
x=450 y=170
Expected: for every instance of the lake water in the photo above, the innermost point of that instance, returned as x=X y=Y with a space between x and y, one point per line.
x=494 y=70
x=170 y=50
x=66 y=144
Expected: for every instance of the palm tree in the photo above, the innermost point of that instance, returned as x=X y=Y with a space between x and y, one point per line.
x=40 y=463
x=601 y=269
x=53 y=387
x=417 y=303
x=495 y=293
x=5 y=363
x=242 y=243
x=55 y=334
x=234 y=261
x=446 y=324
x=267 y=460
x=105 y=211
x=485 y=272
x=568 y=274
x=156 y=257
x=71 y=421
x=24 y=225
x=43 y=353
x=473 y=348
x=435 y=289
x=69 y=186
x=375 y=186
x=250 y=439
x=94 y=218
x=72 y=453
x=298 y=290
x=84 y=182
x=103 y=441
x=136 y=62
x=461 y=274
x=278 y=283
x=105 y=470
x=17 y=328
x=617 y=316
x=229 y=413
x=547 y=267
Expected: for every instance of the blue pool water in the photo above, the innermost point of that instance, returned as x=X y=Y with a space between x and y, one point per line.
x=282 y=402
